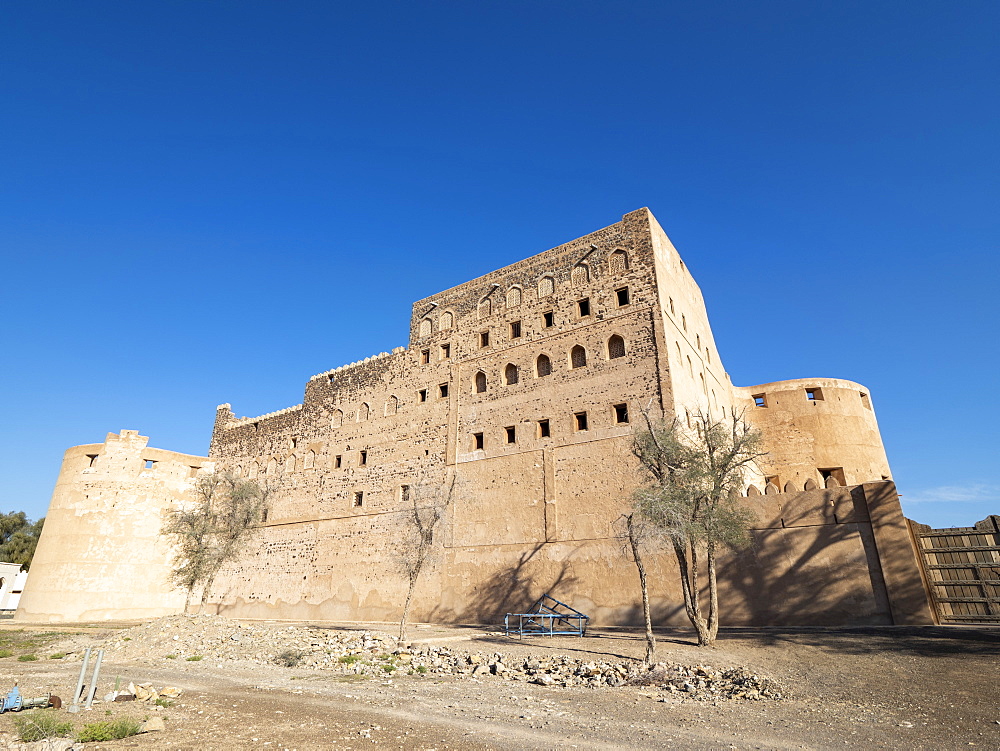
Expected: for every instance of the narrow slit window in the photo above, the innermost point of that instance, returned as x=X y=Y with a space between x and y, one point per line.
x=543 y=429
x=548 y=319
x=621 y=414
x=580 y=421
x=404 y=493
x=684 y=322
x=511 y=432
x=583 y=307
x=515 y=329
x=422 y=395
x=622 y=297
x=359 y=498
x=362 y=458
x=865 y=400
x=477 y=441
x=338 y=461
x=484 y=339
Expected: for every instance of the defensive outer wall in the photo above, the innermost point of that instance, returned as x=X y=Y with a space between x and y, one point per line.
x=518 y=392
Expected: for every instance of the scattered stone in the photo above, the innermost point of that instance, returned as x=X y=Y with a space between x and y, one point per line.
x=220 y=640
x=152 y=725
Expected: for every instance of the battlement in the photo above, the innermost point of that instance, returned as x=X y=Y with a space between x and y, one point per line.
x=328 y=374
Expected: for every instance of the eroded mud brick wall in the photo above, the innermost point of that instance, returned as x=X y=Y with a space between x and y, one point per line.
x=524 y=385
x=101 y=555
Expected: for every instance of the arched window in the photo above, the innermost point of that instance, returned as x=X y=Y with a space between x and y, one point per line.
x=337 y=419
x=363 y=411
x=485 y=308
x=238 y=472
x=543 y=366
x=447 y=320
x=578 y=357
x=480 y=382
x=272 y=466
x=580 y=274
x=510 y=374
x=425 y=327
x=546 y=286
x=391 y=406
x=290 y=463
x=618 y=262
x=252 y=470
x=616 y=347
x=310 y=460
x=513 y=297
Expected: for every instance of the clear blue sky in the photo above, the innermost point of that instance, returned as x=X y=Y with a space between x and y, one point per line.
x=206 y=202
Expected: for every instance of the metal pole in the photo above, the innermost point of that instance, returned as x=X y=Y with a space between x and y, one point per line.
x=79 y=684
x=93 y=682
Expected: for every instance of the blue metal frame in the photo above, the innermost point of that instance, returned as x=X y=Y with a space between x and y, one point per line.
x=544 y=619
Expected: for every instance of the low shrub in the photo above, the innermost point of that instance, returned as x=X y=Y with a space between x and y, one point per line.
x=27 y=658
x=195 y=658
x=39 y=725
x=6 y=653
x=112 y=730
x=289 y=658
x=57 y=656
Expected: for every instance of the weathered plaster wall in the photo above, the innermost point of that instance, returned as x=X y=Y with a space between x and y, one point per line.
x=101 y=555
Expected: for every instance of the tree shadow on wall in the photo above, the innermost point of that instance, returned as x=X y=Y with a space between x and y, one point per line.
x=809 y=574
x=513 y=588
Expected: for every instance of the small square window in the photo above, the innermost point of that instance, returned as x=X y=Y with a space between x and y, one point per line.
x=150 y=463
x=622 y=296
x=583 y=307
x=338 y=461
x=865 y=400
x=422 y=395
x=759 y=400
x=425 y=356
x=404 y=493
x=362 y=458
x=548 y=319
x=621 y=414
x=515 y=329
x=477 y=444
x=511 y=433
x=359 y=498
x=814 y=395
x=543 y=429
x=445 y=351
x=580 y=420
x=484 y=338
x=443 y=390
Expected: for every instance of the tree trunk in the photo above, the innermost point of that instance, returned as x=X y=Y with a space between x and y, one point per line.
x=187 y=600
x=205 y=592
x=713 y=597
x=409 y=598
x=650 y=641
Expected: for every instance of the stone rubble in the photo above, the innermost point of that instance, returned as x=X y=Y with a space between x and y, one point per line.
x=216 y=640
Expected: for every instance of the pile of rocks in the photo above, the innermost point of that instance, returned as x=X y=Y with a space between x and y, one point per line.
x=218 y=640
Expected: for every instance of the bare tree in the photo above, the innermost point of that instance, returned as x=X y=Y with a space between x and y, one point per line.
x=428 y=503
x=696 y=477
x=637 y=533
x=214 y=530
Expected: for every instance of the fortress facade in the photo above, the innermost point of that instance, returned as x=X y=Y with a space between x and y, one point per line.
x=519 y=391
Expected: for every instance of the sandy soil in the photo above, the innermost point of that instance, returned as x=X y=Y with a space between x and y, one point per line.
x=891 y=688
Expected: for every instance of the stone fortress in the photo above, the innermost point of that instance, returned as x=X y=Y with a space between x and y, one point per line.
x=519 y=390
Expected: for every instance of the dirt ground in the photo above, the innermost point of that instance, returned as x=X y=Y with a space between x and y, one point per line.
x=876 y=688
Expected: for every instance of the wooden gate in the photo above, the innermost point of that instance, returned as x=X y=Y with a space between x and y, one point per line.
x=962 y=569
